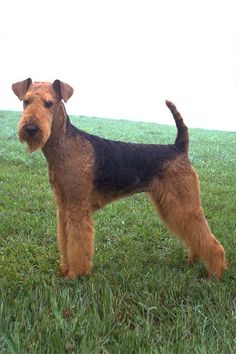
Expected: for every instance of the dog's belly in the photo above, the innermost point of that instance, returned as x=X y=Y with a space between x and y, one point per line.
x=100 y=198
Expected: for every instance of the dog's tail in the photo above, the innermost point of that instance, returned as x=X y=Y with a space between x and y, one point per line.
x=182 y=139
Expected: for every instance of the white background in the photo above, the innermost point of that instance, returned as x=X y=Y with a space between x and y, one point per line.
x=125 y=57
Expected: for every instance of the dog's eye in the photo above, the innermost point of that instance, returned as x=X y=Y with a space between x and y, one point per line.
x=48 y=104
x=26 y=103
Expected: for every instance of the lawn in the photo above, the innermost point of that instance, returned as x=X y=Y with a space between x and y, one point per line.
x=141 y=296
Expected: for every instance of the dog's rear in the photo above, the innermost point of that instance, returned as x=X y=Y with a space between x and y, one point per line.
x=182 y=139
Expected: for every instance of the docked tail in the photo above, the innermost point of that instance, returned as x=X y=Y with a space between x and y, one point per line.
x=182 y=139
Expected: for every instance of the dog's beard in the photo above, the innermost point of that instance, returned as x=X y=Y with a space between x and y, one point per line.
x=35 y=142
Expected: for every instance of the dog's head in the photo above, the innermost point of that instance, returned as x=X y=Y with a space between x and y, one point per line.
x=40 y=102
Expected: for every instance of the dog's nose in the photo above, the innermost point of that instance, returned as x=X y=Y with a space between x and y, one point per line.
x=31 y=129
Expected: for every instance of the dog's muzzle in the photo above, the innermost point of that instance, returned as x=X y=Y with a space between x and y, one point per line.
x=31 y=129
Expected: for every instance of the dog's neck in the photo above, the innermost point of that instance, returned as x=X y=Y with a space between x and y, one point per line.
x=58 y=130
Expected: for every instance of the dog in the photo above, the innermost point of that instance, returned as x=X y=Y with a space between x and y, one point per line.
x=86 y=172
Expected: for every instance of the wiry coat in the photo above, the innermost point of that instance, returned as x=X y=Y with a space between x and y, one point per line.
x=86 y=172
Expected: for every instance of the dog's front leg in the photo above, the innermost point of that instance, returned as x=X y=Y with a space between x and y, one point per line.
x=80 y=241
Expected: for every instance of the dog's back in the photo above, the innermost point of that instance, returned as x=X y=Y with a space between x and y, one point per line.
x=129 y=167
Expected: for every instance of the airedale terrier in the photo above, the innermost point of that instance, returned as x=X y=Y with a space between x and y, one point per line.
x=87 y=172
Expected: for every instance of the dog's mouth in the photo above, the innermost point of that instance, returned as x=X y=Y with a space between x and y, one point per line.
x=31 y=134
x=30 y=130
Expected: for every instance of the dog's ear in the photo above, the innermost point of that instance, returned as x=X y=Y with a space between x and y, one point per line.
x=63 y=90
x=20 y=88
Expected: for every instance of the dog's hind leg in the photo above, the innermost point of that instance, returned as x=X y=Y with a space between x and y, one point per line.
x=177 y=200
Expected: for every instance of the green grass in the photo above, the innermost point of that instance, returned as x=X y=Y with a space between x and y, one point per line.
x=141 y=296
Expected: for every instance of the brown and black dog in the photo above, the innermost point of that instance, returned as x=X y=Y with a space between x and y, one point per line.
x=87 y=172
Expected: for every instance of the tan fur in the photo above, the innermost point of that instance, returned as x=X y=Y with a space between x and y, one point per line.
x=36 y=113
x=177 y=200
x=71 y=168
